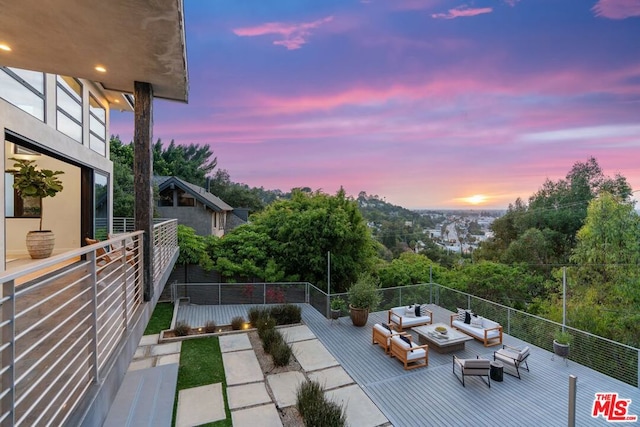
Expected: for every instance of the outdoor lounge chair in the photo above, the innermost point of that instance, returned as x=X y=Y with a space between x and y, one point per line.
x=472 y=367
x=381 y=335
x=102 y=256
x=513 y=357
x=410 y=354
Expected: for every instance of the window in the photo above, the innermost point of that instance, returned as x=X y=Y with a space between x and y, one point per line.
x=19 y=207
x=24 y=89
x=185 y=199
x=97 y=126
x=69 y=111
x=166 y=198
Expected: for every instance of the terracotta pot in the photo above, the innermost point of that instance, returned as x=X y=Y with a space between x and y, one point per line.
x=358 y=316
x=40 y=243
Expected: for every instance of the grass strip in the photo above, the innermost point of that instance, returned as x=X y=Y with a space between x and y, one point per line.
x=160 y=318
x=201 y=364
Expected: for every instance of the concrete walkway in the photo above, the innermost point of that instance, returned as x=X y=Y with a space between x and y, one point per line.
x=252 y=396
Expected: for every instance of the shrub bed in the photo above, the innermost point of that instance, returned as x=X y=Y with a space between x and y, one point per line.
x=316 y=409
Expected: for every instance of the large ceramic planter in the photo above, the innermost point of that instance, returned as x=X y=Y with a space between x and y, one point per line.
x=40 y=243
x=561 y=350
x=358 y=316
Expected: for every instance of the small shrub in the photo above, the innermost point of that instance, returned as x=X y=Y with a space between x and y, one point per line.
x=237 y=322
x=270 y=338
x=210 y=327
x=315 y=409
x=182 y=329
x=281 y=353
x=255 y=314
x=264 y=324
x=286 y=314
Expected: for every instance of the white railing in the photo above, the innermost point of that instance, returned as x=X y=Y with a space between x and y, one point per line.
x=62 y=323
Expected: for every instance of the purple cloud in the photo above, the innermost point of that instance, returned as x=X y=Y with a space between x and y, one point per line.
x=294 y=35
x=616 y=9
x=462 y=11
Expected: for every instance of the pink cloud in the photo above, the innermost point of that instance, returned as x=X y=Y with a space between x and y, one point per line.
x=462 y=11
x=616 y=9
x=294 y=35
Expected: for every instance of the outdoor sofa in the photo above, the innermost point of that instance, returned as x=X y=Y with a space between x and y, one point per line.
x=485 y=330
x=410 y=316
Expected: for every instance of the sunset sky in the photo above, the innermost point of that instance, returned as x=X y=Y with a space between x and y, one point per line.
x=423 y=102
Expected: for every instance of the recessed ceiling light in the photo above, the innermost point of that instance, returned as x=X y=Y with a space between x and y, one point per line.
x=117 y=101
x=101 y=69
x=5 y=47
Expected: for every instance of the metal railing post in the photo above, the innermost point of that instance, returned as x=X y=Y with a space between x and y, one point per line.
x=91 y=256
x=264 y=293
x=400 y=297
x=573 y=386
x=509 y=321
x=8 y=308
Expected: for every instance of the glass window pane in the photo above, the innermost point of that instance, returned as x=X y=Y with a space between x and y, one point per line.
x=72 y=85
x=98 y=145
x=97 y=127
x=23 y=98
x=101 y=206
x=70 y=105
x=34 y=78
x=97 y=110
x=69 y=127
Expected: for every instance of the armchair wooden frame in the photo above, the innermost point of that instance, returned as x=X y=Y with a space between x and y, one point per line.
x=381 y=338
x=404 y=354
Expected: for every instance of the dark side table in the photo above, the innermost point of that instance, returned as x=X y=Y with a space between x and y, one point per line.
x=496 y=371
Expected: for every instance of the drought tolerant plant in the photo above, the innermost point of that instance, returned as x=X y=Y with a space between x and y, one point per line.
x=255 y=314
x=270 y=338
x=182 y=329
x=210 y=327
x=315 y=409
x=281 y=353
x=264 y=324
x=237 y=322
x=286 y=314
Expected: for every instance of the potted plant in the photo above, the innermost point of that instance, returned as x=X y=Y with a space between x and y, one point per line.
x=337 y=306
x=40 y=183
x=364 y=296
x=561 y=342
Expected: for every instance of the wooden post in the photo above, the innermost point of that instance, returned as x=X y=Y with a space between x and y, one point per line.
x=143 y=176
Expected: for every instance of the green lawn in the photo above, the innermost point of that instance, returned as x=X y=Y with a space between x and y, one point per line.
x=201 y=364
x=160 y=319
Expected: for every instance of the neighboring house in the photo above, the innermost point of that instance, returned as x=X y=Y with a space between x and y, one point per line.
x=196 y=207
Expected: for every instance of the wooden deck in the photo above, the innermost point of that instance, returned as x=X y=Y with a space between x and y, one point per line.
x=433 y=396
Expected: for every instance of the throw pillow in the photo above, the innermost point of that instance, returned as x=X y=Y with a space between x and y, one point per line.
x=476 y=322
x=407 y=340
x=467 y=317
x=424 y=311
x=417 y=310
x=461 y=312
x=409 y=310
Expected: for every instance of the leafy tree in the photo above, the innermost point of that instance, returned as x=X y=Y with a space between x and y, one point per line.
x=123 y=189
x=408 y=269
x=238 y=195
x=192 y=248
x=192 y=162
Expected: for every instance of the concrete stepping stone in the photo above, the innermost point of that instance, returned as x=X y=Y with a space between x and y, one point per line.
x=162 y=349
x=331 y=377
x=234 y=342
x=263 y=416
x=200 y=405
x=169 y=358
x=359 y=409
x=313 y=355
x=284 y=387
x=149 y=340
x=241 y=367
x=141 y=364
x=242 y=396
x=297 y=333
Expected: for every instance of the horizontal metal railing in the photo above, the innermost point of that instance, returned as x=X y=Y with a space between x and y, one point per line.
x=63 y=320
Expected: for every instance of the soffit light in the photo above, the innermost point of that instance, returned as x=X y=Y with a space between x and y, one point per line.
x=101 y=69
x=5 y=47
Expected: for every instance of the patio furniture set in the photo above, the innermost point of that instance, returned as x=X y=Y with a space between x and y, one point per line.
x=464 y=326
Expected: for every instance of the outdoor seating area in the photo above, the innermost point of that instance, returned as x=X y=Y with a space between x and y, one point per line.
x=539 y=398
x=485 y=330
x=409 y=353
x=381 y=335
x=410 y=316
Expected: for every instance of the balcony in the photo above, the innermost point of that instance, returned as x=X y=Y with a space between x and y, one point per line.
x=70 y=325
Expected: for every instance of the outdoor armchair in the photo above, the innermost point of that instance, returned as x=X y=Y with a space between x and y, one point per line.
x=472 y=367
x=513 y=357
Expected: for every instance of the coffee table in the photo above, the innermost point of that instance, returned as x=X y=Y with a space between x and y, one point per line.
x=452 y=341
